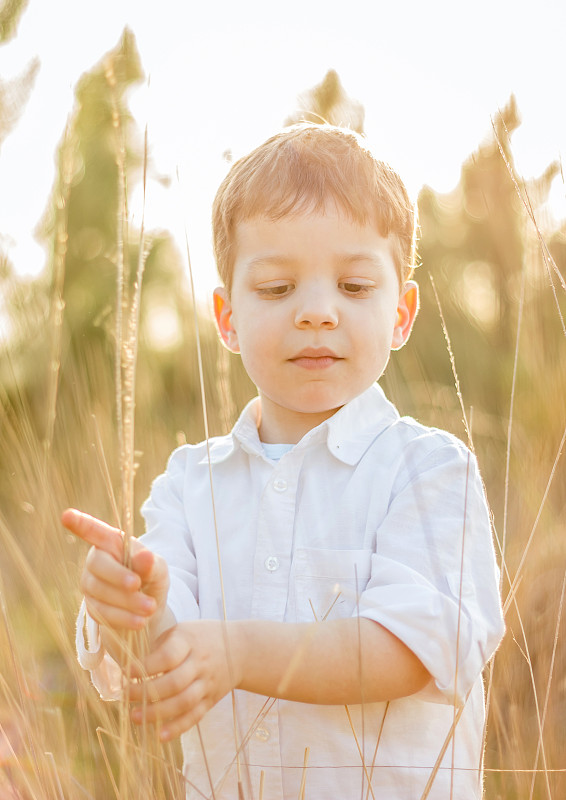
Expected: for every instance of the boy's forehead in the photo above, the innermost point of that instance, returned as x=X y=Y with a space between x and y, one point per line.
x=305 y=213
x=262 y=241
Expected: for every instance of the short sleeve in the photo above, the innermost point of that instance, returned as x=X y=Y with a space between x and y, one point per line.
x=434 y=577
x=168 y=534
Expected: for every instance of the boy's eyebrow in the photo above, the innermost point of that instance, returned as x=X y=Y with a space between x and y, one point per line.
x=267 y=260
x=343 y=259
x=362 y=255
x=261 y=262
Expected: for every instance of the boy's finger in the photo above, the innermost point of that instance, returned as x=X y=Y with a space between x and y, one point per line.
x=178 y=722
x=171 y=650
x=115 y=617
x=165 y=685
x=156 y=708
x=107 y=569
x=183 y=722
x=97 y=591
x=142 y=562
x=94 y=531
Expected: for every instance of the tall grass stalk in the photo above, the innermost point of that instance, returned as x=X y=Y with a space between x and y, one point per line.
x=547 y=695
x=137 y=764
x=204 y=405
x=124 y=405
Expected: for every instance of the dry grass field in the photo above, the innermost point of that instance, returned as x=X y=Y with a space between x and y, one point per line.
x=67 y=438
x=57 y=740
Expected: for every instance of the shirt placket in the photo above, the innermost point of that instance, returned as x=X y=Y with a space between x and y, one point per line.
x=272 y=569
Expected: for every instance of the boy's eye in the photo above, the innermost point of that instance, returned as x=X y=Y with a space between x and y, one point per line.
x=275 y=291
x=355 y=288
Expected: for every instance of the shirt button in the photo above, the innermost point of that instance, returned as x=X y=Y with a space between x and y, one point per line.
x=280 y=485
x=272 y=563
x=262 y=734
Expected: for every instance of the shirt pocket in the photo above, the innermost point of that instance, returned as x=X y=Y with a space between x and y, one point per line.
x=327 y=582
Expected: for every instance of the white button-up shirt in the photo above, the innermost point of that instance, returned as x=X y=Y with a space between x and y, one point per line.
x=369 y=514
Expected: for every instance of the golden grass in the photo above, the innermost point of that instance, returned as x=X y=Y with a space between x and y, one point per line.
x=57 y=740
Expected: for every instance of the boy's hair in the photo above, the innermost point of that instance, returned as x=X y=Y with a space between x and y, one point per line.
x=298 y=170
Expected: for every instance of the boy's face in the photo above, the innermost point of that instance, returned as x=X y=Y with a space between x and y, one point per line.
x=315 y=310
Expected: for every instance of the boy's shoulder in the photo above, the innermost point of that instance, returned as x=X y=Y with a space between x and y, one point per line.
x=217 y=449
x=427 y=437
x=188 y=467
x=187 y=455
x=373 y=423
x=417 y=448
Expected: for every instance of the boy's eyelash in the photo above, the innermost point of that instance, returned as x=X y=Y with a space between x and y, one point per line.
x=275 y=291
x=355 y=288
x=350 y=287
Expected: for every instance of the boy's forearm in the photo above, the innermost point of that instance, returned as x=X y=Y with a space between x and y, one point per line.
x=320 y=662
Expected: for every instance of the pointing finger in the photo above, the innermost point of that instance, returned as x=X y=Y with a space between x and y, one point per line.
x=94 y=531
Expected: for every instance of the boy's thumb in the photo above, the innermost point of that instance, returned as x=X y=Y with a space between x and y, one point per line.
x=153 y=572
x=142 y=563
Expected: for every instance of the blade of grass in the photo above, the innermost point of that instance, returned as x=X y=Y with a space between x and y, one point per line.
x=304 y=774
x=547 y=695
x=204 y=405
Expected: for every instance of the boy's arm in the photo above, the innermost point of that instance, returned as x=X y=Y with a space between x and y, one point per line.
x=335 y=662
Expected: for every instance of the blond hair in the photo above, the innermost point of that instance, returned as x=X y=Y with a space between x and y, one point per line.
x=298 y=171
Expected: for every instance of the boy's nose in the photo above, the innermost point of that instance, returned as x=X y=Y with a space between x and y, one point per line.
x=316 y=309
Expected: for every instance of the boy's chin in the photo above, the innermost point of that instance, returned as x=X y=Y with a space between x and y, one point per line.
x=307 y=408
x=327 y=402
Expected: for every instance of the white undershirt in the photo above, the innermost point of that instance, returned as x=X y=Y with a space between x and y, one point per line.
x=275 y=452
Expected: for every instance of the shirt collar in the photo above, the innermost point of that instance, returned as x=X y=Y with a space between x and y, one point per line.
x=244 y=435
x=357 y=424
x=348 y=433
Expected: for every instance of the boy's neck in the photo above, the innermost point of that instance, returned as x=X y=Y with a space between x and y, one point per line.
x=279 y=425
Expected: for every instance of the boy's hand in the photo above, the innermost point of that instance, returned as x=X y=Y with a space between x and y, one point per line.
x=118 y=597
x=189 y=672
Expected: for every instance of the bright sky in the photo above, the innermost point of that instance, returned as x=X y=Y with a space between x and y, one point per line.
x=225 y=74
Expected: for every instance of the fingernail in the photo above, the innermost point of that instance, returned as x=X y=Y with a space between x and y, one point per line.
x=137 y=715
x=164 y=735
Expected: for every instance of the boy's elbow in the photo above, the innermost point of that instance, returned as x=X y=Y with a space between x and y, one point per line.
x=401 y=674
x=418 y=676
x=409 y=676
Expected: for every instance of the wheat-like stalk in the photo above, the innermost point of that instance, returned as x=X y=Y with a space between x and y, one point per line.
x=128 y=307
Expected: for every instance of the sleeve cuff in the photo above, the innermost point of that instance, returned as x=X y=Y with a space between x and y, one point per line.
x=89 y=658
x=105 y=673
x=452 y=639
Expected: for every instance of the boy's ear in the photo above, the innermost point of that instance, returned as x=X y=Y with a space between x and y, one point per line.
x=223 y=314
x=406 y=313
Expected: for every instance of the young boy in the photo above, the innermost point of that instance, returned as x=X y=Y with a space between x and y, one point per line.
x=327 y=553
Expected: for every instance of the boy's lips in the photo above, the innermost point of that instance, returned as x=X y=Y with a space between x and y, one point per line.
x=315 y=358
